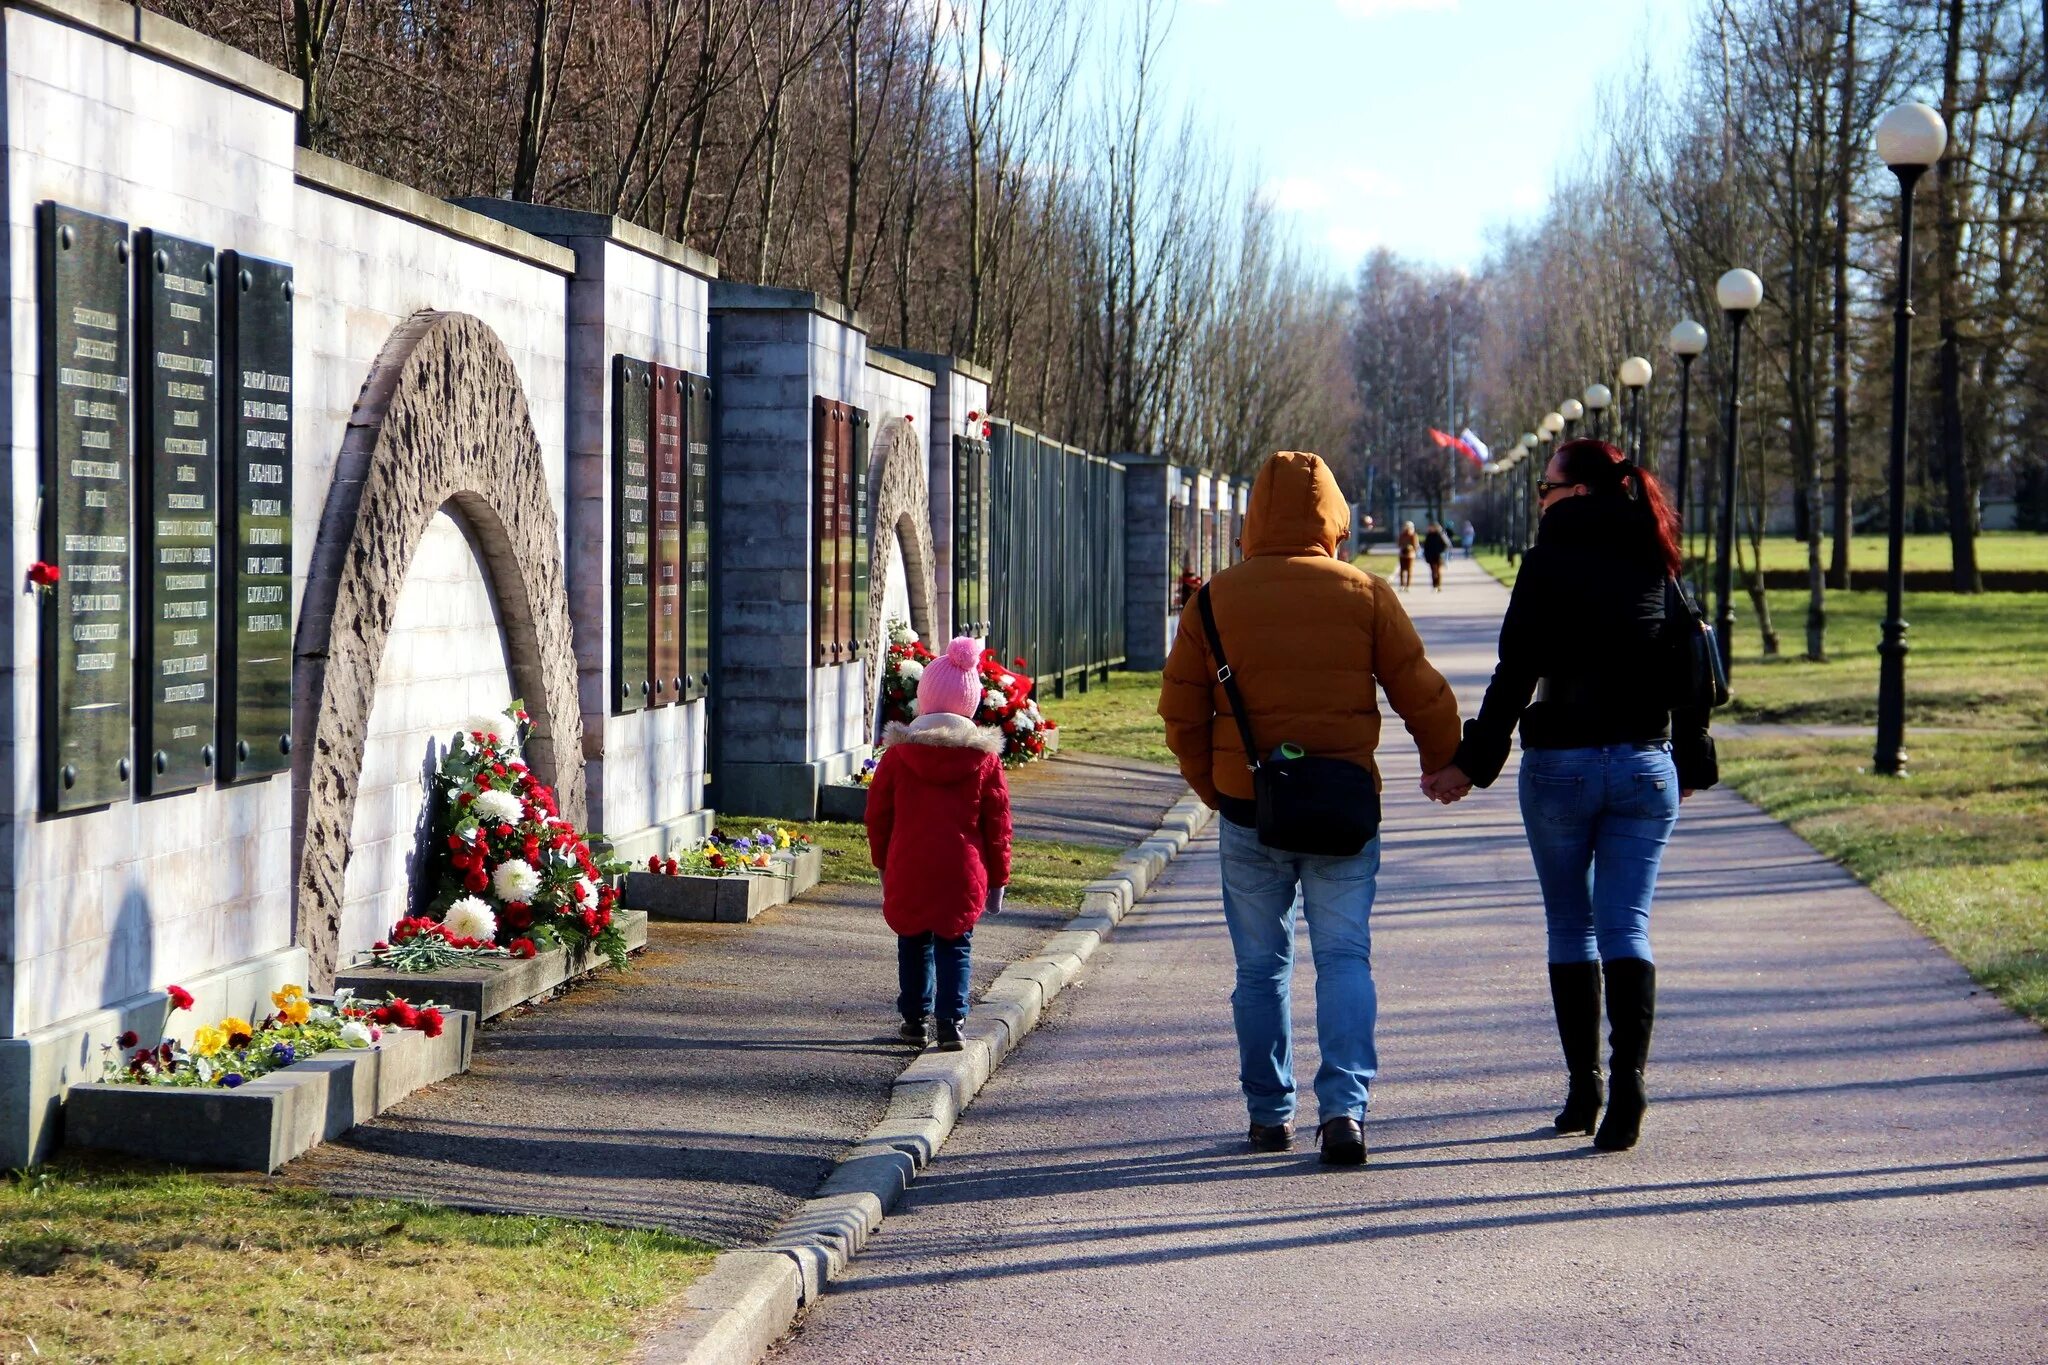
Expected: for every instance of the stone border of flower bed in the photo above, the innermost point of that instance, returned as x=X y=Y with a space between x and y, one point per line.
x=733 y=899
x=262 y=1124
x=843 y=801
x=738 y=1309
x=488 y=992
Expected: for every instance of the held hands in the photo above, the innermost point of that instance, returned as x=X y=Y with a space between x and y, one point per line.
x=1446 y=785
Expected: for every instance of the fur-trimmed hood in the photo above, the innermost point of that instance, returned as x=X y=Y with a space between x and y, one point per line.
x=943 y=730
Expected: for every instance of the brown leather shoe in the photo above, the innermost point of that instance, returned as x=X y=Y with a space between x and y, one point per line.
x=1343 y=1142
x=1271 y=1137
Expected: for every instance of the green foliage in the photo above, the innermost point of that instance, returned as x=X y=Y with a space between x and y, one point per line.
x=1119 y=718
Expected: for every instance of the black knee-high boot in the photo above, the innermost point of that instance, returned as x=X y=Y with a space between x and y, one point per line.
x=1575 y=995
x=1631 y=1010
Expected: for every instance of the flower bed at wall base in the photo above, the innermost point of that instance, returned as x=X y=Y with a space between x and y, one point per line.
x=233 y=1051
x=510 y=873
x=727 y=855
x=1006 y=700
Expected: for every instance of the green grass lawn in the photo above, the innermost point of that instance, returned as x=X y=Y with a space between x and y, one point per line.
x=1977 y=661
x=118 y=1261
x=1995 y=550
x=1043 y=872
x=1960 y=846
x=1119 y=718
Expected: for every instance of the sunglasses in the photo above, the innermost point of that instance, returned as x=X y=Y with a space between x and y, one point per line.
x=1544 y=487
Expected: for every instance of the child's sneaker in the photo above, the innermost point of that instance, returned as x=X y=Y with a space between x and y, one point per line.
x=949 y=1035
x=917 y=1032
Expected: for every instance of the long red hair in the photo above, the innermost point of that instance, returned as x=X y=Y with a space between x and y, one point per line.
x=1605 y=470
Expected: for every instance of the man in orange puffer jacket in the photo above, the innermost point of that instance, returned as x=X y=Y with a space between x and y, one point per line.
x=1309 y=639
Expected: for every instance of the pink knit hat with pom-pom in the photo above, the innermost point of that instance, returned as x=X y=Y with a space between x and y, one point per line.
x=952 y=682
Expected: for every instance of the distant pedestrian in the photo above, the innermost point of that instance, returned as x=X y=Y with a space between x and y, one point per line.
x=1592 y=650
x=938 y=823
x=1470 y=537
x=1406 y=544
x=1435 y=545
x=1284 y=655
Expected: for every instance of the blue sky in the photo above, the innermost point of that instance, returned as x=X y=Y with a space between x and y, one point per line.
x=1409 y=123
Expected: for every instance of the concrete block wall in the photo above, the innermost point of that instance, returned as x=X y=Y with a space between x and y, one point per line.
x=638 y=295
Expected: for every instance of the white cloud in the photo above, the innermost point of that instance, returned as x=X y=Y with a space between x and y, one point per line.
x=1382 y=9
x=1297 y=193
x=1351 y=242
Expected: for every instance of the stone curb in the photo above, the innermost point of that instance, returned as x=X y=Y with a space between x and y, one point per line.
x=749 y=1298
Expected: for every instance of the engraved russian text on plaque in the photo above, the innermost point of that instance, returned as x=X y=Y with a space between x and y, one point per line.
x=696 y=537
x=85 y=673
x=828 y=425
x=666 y=611
x=256 y=511
x=857 y=489
x=632 y=535
x=842 y=590
x=176 y=586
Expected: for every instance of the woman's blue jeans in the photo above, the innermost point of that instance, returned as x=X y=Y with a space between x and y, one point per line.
x=1598 y=821
x=933 y=971
x=1258 y=902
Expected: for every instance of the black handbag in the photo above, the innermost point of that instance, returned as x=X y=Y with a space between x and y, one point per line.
x=1327 y=807
x=1699 y=677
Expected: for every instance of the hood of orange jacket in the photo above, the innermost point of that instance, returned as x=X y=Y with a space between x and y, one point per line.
x=1296 y=508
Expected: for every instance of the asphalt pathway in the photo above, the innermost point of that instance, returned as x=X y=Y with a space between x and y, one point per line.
x=1846 y=1156
x=712 y=1087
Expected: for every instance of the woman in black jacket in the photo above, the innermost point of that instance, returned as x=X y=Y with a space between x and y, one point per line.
x=1587 y=668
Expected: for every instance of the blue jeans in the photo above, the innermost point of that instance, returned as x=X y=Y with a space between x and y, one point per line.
x=927 y=964
x=1258 y=902
x=1598 y=821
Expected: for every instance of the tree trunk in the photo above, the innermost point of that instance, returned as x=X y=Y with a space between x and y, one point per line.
x=1962 y=516
x=1846 y=153
x=534 y=109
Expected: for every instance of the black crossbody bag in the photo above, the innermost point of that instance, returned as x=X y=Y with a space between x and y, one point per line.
x=1326 y=807
x=1698 y=679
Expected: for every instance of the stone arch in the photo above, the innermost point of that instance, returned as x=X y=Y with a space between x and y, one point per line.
x=442 y=421
x=901 y=508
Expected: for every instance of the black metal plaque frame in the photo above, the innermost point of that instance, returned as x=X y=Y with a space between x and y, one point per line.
x=665 y=595
x=632 y=536
x=87 y=468
x=256 y=444
x=827 y=424
x=696 y=537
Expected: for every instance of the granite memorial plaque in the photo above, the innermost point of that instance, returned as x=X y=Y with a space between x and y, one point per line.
x=176 y=582
x=842 y=560
x=666 y=615
x=255 y=705
x=828 y=422
x=632 y=535
x=696 y=537
x=82 y=278
x=857 y=488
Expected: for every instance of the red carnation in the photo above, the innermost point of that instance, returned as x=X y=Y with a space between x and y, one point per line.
x=654 y=862
x=465 y=798
x=522 y=947
x=405 y=1014
x=382 y=1014
x=589 y=918
x=475 y=880
x=671 y=867
x=181 y=999
x=430 y=1022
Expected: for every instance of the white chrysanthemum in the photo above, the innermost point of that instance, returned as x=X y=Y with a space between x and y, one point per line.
x=471 y=918
x=1024 y=723
x=589 y=892
x=501 y=725
x=497 y=807
x=910 y=670
x=1007 y=680
x=515 y=880
x=355 y=1033
x=991 y=697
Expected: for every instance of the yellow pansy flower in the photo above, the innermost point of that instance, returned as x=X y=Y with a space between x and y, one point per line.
x=209 y=1039
x=285 y=996
x=237 y=1030
x=295 y=1011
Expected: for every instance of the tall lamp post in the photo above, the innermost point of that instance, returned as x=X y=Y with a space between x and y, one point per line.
x=1910 y=138
x=1635 y=374
x=1523 y=460
x=1568 y=414
x=1738 y=292
x=1596 y=398
x=1686 y=341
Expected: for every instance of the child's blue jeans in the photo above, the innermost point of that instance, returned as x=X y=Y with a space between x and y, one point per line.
x=928 y=966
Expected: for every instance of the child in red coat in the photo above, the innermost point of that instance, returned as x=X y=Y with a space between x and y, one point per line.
x=939 y=831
